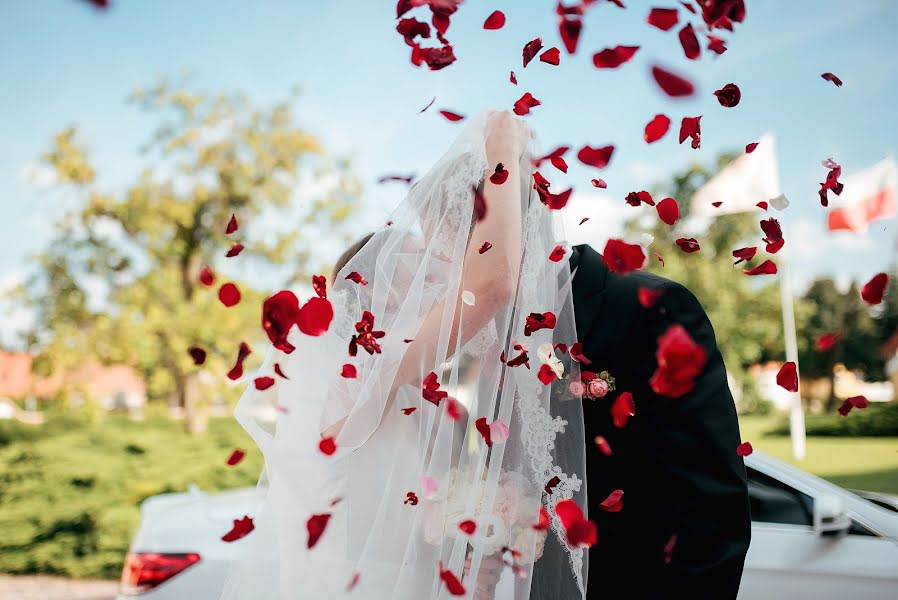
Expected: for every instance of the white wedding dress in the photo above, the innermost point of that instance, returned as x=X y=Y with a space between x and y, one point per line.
x=425 y=499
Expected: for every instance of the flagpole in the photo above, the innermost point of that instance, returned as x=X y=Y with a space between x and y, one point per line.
x=796 y=411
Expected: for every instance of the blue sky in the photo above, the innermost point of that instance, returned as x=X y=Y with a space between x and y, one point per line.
x=63 y=63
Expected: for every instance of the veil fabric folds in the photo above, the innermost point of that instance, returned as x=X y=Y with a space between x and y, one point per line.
x=448 y=441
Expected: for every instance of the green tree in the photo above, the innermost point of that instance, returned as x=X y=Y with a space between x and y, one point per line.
x=140 y=251
x=744 y=310
x=845 y=314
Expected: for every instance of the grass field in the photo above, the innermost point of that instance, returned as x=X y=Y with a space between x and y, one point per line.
x=864 y=463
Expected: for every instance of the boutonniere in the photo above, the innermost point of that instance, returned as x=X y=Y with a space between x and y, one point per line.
x=590 y=385
x=593 y=385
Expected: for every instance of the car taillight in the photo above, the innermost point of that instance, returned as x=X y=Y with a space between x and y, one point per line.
x=145 y=570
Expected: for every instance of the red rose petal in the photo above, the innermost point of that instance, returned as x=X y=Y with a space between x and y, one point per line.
x=543 y=520
x=353 y=581
x=229 y=295
x=467 y=526
x=551 y=56
x=263 y=383
x=830 y=77
x=523 y=105
x=327 y=446
x=729 y=95
x=569 y=29
x=512 y=78
x=688 y=245
x=349 y=371
x=430 y=389
x=241 y=528
x=603 y=446
x=451 y=116
x=453 y=585
x=356 y=277
x=580 y=532
x=484 y=248
x=744 y=449
x=499 y=176
x=235 y=457
x=749 y=148
x=787 y=377
x=576 y=352
x=668 y=210
x=197 y=354
x=236 y=371
x=826 y=341
x=315 y=526
x=621 y=257
x=279 y=313
x=875 y=289
x=599 y=183
x=319 y=284
x=680 y=361
x=614 y=502
x=409 y=410
x=559 y=163
x=495 y=21
x=648 y=297
x=595 y=157
x=315 y=316
x=557 y=253
x=232 y=225
x=716 y=45
x=546 y=375
x=637 y=198
x=536 y=321
x=429 y=104
x=411 y=498
x=689 y=42
x=484 y=429
x=692 y=127
x=207 y=276
x=278 y=372
x=611 y=58
x=673 y=85
x=454 y=408
x=669 y=548
x=234 y=250
x=622 y=409
x=530 y=50
x=746 y=253
x=663 y=18
x=656 y=128
x=768 y=267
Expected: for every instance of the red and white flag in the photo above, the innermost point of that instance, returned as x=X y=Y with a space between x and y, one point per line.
x=749 y=179
x=867 y=196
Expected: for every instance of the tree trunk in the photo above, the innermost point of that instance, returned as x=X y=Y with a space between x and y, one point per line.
x=831 y=400
x=195 y=418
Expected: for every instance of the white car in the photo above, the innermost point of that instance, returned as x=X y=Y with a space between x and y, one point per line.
x=810 y=539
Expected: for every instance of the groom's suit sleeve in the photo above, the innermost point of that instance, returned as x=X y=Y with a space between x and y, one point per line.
x=688 y=446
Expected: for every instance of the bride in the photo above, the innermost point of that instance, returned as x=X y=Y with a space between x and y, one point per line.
x=425 y=438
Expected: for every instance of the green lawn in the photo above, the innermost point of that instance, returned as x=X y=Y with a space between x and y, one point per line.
x=867 y=463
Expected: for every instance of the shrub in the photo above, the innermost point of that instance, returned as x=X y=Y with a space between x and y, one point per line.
x=877 y=420
x=70 y=489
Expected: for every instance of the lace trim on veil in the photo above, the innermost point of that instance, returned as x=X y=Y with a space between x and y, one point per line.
x=540 y=429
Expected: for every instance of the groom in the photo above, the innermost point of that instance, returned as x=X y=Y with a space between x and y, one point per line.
x=684 y=528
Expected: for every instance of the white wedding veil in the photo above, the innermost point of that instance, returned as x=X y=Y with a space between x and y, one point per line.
x=448 y=442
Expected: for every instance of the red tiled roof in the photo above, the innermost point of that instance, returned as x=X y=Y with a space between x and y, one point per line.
x=17 y=381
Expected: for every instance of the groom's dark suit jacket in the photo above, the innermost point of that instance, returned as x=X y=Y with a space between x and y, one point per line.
x=675 y=460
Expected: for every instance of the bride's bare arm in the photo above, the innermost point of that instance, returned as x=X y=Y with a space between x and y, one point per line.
x=492 y=276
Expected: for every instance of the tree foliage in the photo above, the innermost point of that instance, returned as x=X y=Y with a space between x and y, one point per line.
x=119 y=280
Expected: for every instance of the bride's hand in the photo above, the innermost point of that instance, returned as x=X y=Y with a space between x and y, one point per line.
x=506 y=136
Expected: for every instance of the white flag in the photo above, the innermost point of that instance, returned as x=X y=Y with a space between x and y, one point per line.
x=749 y=179
x=867 y=196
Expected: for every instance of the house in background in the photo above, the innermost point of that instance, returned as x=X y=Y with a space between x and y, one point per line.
x=113 y=387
